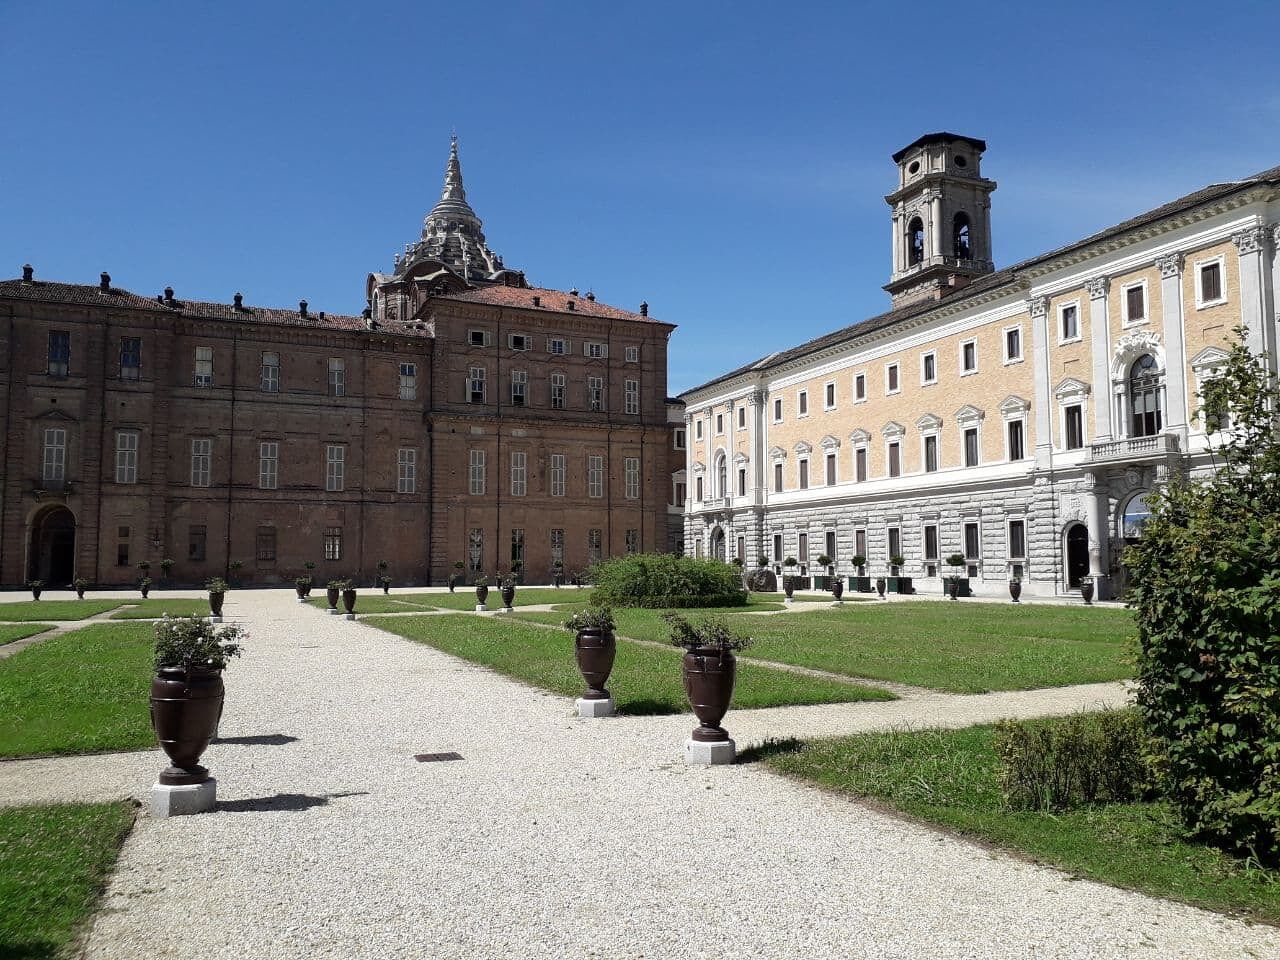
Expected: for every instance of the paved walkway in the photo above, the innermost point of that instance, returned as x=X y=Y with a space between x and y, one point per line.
x=556 y=837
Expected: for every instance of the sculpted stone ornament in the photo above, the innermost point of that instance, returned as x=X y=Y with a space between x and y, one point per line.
x=1098 y=287
x=1038 y=307
x=1251 y=240
x=1170 y=265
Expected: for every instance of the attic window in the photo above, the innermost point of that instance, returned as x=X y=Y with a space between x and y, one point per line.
x=915 y=167
x=961 y=161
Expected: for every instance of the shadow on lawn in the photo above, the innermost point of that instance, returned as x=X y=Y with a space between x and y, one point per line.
x=645 y=708
x=769 y=748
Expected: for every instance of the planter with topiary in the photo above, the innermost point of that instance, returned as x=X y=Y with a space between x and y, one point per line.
x=859 y=581
x=166 y=567
x=482 y=592
x=507 y=587
x=1015 y=589
x=955 y=585
x=145 y=586
x=349 y=599
x=456 y=577
x=897 y=582
x=81 y=585
x=821 y=581
x=594 y=649
x=332 y=591
x=217 y=588
x=35 y=586
x=310 y=567
x=708 y=668
x=788 y=580
x=303 y=586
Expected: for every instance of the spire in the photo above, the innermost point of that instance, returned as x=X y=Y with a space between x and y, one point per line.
x=453 y=189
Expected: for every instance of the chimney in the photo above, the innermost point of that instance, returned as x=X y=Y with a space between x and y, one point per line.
x=302 y=309
x=238 y=301
x=644 y=308
x=591 y=296
x=573 y=291
x=570 y=305
x=537 y=300
x=104 y=282
x=322 y=316
x=168 y=295
x=27 y=272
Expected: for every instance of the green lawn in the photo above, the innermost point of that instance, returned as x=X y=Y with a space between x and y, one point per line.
x=378 y=603
x=12 y=632
x=54 y=609
x=79 y=692
x=961 y=648
x=156 y=607
x=464 y=599
x=645 y=680
x=54 y=862
x=950 y=778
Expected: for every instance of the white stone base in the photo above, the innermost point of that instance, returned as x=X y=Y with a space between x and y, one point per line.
x=788 y=600
x=348 y=616
x=507 y=610
x=215 y=619
x=481 y=608
x=596 y=708
x=837 y=603
x=333 y=611
x=302 y=599
x=697 y=752
x=167 y=801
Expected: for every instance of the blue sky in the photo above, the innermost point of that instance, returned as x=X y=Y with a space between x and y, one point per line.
x=724 y=161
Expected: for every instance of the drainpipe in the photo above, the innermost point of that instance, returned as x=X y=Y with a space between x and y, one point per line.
x=231 y=457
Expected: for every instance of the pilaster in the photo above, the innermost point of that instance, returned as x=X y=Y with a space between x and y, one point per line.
x=1175 y=353
x=1100 y=347
x=1041 y=403
x=1251 y=245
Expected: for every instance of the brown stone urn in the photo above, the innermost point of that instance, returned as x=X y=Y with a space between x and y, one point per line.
x=332 y=595
x=185 y=709
x=216 y=597
x=708 y=683
x=837 y=588
x=1086 y=591
x=482 y=593
x=508 y=595
x=1015 y=589
x=788 y=586
x=595 y=650
x=880 y=585
x=349 y=599
x=953 y=587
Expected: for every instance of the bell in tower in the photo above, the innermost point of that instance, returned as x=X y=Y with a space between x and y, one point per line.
x=941 y=218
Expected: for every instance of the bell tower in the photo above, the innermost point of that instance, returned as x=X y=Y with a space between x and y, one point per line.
x=941 y=218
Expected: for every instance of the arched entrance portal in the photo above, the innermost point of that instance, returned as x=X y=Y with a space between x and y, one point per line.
x=717 y=543
x=1077 y=554
x=53 y=547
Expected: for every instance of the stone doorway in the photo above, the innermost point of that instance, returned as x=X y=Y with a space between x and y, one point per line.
x=1077 y=555
x=53 y=547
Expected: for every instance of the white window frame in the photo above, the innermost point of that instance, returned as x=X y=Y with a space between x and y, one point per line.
x=860 y=387
x=203 y=373
x=127 y=443
x=1062 y=309
x=201 y=461
x=1063 y=406
x=925 y=436
x=804 y=475
x=925 y=379
x=1004 y=344
x=595 y=350
x=520 y=388
x=269 y=378
x=1008 y=539
x=777 y=409
x=519 y=473
x=632 y=355
x=519 y=342
x=802 y=404
x=407 y=470
x=595 y=394
x=937 y=541
x=1124 y=303
x=559 y=384
x=557 y=346
x=631 y=397
x=54 y=461
x=408 y=381
x=268 y=464
x=631 y=478
x=977 y=364
x=888 y=462
x=595 y=476
x=896 y=367
x=742 y=417
x=558 y=471
x=830 y=467
x=697 y=429
x=337 y=377
x=482 y=379
x=1221 y=261
x=1008 y=447
x=335 y=467
x=865 y=448
x=719 y=425
x=829 y=395
x=964 y=455
x=485 y=338
x=476 y=478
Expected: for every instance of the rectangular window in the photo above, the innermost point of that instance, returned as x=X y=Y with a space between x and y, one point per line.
x=518 y=341
x=1135 y=301
x=831 y=545
x=860 y=543
x=266 y=545
x=557 y=474
x=631 y=477
x=929 y=368
x=633 y=354
x=55 y=455
x=777 y=548
x=930 y=454
x=633 y=541
x=596 y=351
x=269 y=379
x=1211 y=282
x=804 y=548
x=595 y=476
x=130 y=358
x=333 y=543
x=475 y=473
x=519 y=384
x=517 y=547
x=678 y=440
x=1017 y=447
x=777 y=411
x=895 y=541
x=595 y=393
x=519 y=473
x=697 y=429
x=860 y=387
x=475 y=549
x=1074 y=415
x=804 y=474
x=777 y=477
x=831 y=469
x=595 y=539
x=860 y=464
x=478 y=338
x=408 y=381
x=719 y=423
x=127 y=457
x=1069 y=322
x=557 y=545
x=406 y=470
x=895 y=459
x=475 y=385
x=1013 y=344
x=1017 y=539
x=337 y=377
x=891 y=384
x=557 y=391
x=969 y=356
x=971 y=447
x=557 y=346
x=201 y=462
x=268 y=464
x=59 y=353
x=742 y=418
x=931 y=541
x=335 y=465
x=197 y=542
x=802 y=404
x=632 y=406
x=698 y=488
x=972 y=545
x=122 y=551
x=204 y=367
x=742 y=481
x=829 y=396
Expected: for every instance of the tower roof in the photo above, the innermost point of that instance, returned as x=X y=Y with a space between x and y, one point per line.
x=940 y=137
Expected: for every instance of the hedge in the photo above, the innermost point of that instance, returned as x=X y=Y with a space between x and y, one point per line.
x=665 y=581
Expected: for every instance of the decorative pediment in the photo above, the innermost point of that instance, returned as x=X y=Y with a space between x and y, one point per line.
x=929 y=423
x=1071 y=389
x=1013 y=405
x=893 y=430
x=804 y=447
x=699 y=467
x=777 y=453
x=53 y=413
x=968 y=415
x=859 y=436
x=1130 y=347
x=740 y=457
x=830 y=443
x=1208 y=360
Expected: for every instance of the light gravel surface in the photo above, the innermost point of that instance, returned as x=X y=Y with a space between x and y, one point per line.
x=557 y=837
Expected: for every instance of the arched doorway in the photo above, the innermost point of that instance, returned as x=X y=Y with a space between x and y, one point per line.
x=717 y=543
x=53 y=547
x=1077 y=554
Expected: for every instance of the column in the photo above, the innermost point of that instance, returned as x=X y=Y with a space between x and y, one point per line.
x=986 y=229
x=1270 y=318
x=1251 y=244
x=935 y=216
x=1100 y=339
x=1042 y=400
x=1175 y=353
x=1097 y=520
x=896 y=244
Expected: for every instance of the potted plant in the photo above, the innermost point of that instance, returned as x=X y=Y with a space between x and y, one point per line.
x=456 y=576
x=880 y=586
x=837 y=588
x=762 y=561
x=594 y=648
x=507 y=585
x=145 y=586
x=36 y=586
x=187 y=691
x=709 y=667
x=1086 y=591
x=737 y=562
x=557 y=573
x=1015 y=588
x=81 y=585
x=820 y=582
x=788 y=580
x=332 y=589
x=348 y=597
x=860 y=581
x=143 y=567
x=897 y=582
x=217 y=588
x=235 y=566
x=166 y=565
x=303 y=586
x=482 y=589
x=310 y=567
x=956 y=585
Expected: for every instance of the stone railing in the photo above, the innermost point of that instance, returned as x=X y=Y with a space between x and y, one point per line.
x=1134 y=448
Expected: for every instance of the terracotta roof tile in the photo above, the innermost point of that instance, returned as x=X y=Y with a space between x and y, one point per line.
x=556 y=301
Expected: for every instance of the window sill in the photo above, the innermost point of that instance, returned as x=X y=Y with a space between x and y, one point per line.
x=893 y=393
x=1010 y=361
x=1209 y=304
x=1126 y=323
x=1076 y=339
x=969 y=373
x=929 y=383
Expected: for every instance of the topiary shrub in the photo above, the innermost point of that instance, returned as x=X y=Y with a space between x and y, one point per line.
x=663 y=580
x=1206 y=589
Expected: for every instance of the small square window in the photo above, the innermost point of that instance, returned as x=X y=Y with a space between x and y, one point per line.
x=517 y=341
x=633 y=355
x=478 y=338
x=557 y=346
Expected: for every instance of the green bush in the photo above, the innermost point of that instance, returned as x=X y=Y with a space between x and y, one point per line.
x=663 y=580
x=1086 y=758
x=1206 y=588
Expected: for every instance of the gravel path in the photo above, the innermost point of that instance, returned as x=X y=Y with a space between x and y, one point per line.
x=556 y=837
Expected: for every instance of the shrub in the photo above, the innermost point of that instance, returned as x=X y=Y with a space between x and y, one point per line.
x=592 y=618
x=1082 y=759
x=216 y=585
x=713 y=633
x=1206 y=588
x=192 y=643
x=660 y=580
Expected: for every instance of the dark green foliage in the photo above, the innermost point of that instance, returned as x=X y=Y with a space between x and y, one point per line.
x=591 y=618
x=663 y=580
x=710 y=633
x=193 y=643
x=1082 y=759
x=1206 y=578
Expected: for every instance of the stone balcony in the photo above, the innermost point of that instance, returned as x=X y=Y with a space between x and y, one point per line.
x=1134 y=448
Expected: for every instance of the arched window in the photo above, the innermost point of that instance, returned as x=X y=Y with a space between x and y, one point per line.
x=915 y=241
x=1135 y=516
x=1145 y=388
x=960 y=243
x=722 y=476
